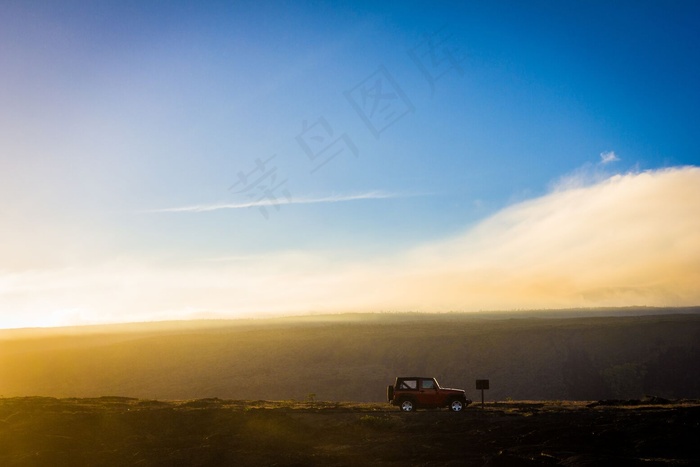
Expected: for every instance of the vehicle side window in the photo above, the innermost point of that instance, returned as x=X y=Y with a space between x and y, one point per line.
x=427 y=384
x=408 y=384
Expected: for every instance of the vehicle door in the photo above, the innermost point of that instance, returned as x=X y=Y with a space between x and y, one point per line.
x=428 y=393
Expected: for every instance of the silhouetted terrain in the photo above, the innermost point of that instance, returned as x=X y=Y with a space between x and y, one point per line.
x=113 y=431
x=566 y=355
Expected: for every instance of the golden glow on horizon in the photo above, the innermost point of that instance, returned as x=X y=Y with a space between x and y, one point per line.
x=629 y=240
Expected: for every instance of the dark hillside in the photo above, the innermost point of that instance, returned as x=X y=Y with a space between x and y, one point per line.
x=114 y=431
x=354 y=358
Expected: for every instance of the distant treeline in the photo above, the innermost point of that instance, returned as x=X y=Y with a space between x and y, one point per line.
x=354 y=357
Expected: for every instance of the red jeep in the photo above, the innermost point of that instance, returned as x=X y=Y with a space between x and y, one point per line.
x=413 y=392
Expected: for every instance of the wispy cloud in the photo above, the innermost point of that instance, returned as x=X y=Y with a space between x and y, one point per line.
x=282 y=202
x=588 y=174
x=608 y=157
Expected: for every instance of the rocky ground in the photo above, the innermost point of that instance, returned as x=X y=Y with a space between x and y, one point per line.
x=208 y=432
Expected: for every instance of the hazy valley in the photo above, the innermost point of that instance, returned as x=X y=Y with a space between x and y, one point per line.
x=570 y=355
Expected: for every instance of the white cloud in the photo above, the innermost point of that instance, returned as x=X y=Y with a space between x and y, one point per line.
x=608 y=157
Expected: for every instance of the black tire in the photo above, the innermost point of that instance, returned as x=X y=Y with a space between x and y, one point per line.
x=407 y=405
x=456 y=405
x=390 y=393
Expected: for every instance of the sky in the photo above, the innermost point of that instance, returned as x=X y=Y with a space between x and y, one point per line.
x=181 y=160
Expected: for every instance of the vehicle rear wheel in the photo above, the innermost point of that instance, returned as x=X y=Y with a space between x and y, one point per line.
x=456 y=405
x=407 y=405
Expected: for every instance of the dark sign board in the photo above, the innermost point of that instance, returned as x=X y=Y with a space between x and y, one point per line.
x=482 y=383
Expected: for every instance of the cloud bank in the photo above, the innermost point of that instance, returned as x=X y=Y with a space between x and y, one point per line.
x=627 y=240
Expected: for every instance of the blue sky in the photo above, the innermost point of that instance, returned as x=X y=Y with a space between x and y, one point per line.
x=125 y=126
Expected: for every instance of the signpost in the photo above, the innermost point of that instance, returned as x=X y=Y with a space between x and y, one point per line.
x=482 y=384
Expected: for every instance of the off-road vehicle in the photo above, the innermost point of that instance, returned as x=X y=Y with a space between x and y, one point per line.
x=413 y=392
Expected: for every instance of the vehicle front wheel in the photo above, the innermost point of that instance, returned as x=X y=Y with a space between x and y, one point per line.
x=407 y=406
x=456 y=405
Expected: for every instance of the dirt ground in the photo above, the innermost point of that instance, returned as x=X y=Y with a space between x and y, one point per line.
x=39 y=431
